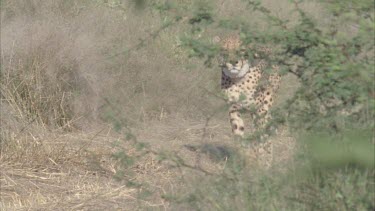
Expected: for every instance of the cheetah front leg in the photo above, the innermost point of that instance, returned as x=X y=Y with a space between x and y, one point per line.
x=237 y=123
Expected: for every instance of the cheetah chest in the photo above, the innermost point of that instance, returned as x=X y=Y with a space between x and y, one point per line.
x=241 y=90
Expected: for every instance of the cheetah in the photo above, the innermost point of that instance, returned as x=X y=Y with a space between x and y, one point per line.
x=240 y=83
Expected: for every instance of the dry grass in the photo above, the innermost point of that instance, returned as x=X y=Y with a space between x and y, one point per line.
x=74 y=171
x=77 y=170
x=52 y=173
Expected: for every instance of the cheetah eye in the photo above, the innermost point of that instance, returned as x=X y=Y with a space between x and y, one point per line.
x=235 y=62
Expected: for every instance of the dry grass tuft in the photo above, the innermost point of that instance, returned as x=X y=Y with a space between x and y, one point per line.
x=69 y=171
x=34 y=95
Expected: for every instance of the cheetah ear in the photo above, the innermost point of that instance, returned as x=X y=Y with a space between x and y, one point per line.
x=216 y=40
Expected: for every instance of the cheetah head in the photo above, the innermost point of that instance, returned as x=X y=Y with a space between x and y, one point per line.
x=233 y=56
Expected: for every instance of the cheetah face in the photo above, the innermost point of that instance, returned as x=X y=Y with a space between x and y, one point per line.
x=236 y=69
x=234 y=63
x=233 y=57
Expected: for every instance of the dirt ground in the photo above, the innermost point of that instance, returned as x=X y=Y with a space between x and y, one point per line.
x=78 y=171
